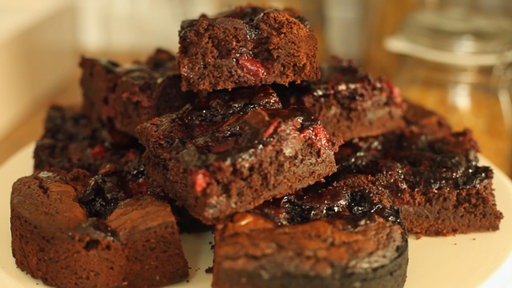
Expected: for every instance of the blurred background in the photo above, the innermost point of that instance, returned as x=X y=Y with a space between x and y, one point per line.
x=450 y=55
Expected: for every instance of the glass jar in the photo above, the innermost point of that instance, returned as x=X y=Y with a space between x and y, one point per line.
x=454 y=60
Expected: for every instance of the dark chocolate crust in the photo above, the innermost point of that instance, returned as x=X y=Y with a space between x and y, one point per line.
x=248 y=46
x=217 y=168
x=54 y=239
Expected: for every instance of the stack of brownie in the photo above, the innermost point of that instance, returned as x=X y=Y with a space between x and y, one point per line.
x=310 y=175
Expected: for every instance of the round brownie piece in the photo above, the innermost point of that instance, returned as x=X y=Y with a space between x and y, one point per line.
x=54 y=239
x=331 y=234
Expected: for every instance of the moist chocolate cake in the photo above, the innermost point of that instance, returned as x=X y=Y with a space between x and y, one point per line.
x=246 y=46
x=219 y=158
x=327 y=235
x=436 y=182
x=348 y=102
x=71 y=230
x=126 y=95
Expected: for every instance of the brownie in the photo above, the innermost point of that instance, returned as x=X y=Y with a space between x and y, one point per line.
x=127 y=95
x=72 y=140
x=63 y=238
x=436 y=182
x=326 y=235
x=224 y=156
x=348 y=102
x=246 y=46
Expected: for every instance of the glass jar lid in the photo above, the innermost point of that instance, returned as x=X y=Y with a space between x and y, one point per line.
x=454 y=35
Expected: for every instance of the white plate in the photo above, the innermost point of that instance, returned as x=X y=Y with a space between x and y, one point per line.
x=473 y=260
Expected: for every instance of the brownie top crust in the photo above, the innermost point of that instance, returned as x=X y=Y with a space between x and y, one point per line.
x=351 y=225
x=417 y=160
x=160 y=64
x=250 y=14
x=35 y=198
x=86 y=200
x=240 y=134
x=211 y=123
x=351 y=87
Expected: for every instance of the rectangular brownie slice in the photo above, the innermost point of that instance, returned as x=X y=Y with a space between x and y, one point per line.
x=126 y=95
x=348 y=102
x=433 y=177
x=220 y=156
x=325 y=235
x=246 y=46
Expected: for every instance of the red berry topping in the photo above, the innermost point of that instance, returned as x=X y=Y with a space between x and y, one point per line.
x=201 y=178
x=251 y=67
x=271 y=128
x=98 y=151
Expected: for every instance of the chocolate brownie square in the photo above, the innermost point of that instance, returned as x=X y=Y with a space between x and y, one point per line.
x=246 y=46
x=348 y=102
x=217 y=158
x=320 y=236
x=436 y=182
x=127 y=95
